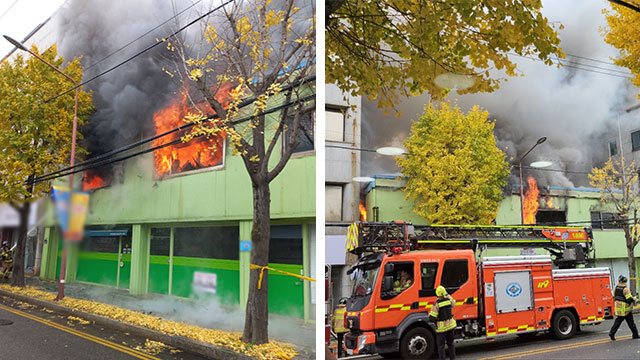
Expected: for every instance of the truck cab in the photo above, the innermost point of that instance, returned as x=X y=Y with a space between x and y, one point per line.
x=388 y=311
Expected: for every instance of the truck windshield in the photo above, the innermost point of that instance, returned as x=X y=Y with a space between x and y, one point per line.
x=364 y=279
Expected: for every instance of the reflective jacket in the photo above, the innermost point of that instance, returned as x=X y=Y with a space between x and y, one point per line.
x=442 y=313
x=338 y=319
x=623 y=300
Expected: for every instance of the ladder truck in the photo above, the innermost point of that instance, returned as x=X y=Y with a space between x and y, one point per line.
x=495 y=295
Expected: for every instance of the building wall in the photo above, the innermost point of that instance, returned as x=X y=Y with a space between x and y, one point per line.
x=207 y=197
x=609 y=244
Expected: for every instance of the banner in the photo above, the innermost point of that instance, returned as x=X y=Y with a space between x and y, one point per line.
x=71 y=219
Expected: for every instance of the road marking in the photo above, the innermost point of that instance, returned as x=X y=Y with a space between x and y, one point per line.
x=132 y=352
x=552 y=348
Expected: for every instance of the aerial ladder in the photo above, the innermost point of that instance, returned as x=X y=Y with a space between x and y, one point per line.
x=568 y=246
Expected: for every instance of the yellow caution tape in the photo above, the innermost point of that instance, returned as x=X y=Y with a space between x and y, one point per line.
x=262 y=268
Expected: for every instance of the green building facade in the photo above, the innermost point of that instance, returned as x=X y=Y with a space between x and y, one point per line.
x=575 y=207
x=189 y=234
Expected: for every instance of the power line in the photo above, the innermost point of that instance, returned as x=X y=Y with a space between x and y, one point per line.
x=589 y=68
x=9 y=8
x=141 y=36
x=95 y=163
x=142 y=51
x=184 y=126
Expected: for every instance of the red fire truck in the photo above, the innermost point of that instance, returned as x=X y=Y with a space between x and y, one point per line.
x=495 y=296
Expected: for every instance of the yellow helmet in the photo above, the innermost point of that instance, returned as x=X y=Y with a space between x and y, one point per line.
x=441 y=291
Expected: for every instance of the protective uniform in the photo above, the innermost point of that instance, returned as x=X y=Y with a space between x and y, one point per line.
x=623 y=304
x=338 y=324
x=442 y=314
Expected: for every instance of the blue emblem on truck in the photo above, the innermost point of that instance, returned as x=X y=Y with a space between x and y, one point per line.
x=514 y=289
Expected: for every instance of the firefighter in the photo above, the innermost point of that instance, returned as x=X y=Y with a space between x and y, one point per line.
x=441 y=313
x=403 y=282
x=623 y=306
x=338 y=324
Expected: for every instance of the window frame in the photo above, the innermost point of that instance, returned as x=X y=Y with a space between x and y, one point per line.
x=393 y=294
x=422 y=292
x=613 y=151
x=336 y=185
x=343 y=112
x=283 y=138
x=220 y=166
x=635 y=145
x=452 y=289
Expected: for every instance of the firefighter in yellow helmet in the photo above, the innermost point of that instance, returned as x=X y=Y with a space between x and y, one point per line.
x=442 y=314
x=623 y=304
x=338 y=324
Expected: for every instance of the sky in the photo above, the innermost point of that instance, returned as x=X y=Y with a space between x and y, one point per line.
x=19 y=17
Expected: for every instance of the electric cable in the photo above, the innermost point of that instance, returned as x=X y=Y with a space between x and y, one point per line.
x=108 y=161
x=142 y=51
x=141 y=36
x=181 y=127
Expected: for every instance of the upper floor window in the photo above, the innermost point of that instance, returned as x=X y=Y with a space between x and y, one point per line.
x=613 y=148
x=334 y=125
x=635 y=140
x=333 y=202
x=604 y=220
x=306 y=140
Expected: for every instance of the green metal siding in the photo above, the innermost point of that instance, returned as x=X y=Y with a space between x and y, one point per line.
x=286 y=296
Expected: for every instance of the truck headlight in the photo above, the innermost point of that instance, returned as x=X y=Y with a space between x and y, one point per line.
x=362 y=340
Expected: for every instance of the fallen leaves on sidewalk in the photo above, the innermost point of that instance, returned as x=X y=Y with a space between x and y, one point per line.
x=273 y=350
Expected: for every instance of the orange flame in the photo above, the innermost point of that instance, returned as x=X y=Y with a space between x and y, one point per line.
x=91 y=181
x=530 y=203
x=549 y=202
x=363 y=212
x=197 y=153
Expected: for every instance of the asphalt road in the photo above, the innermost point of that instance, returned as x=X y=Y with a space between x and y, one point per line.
x=29 y=332
x=591 y=343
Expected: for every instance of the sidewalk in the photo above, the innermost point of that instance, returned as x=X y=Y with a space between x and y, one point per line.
x=204 y=313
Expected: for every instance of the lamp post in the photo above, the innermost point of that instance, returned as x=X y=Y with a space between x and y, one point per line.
x=63 y=262
x=540 y=141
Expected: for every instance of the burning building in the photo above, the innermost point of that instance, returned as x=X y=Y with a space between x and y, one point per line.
x=176 y=220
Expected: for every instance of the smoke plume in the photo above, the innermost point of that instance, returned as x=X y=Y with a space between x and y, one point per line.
x=571 y=107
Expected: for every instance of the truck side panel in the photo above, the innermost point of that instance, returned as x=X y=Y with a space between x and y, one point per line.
x=518 y=294
x=587 y=290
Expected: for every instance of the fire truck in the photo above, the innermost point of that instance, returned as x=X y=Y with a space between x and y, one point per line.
x=495 y=296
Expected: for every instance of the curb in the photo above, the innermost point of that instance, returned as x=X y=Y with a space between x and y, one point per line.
x=180 y=342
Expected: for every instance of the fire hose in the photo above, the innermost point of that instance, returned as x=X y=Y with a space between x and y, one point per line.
x=262 y=268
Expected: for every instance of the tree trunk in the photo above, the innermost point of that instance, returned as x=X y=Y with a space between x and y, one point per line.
x=257 y=313
x=17 y=278
x=631 y=260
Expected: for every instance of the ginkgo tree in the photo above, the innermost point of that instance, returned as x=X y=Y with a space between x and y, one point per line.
x=455 y=172
x=622 y=32
x=253 y=66
x=618 y=183
x=35 y=136
x=384 y=48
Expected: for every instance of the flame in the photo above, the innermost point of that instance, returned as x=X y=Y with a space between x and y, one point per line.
x=199 y=152
x=549 y=202
x=531 y=204
x=91 y=181
x=363 y=213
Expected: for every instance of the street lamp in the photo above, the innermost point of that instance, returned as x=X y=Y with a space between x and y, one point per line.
x=540 y=141
x=63 y=262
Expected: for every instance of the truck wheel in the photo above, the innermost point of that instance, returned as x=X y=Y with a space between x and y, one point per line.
x=417 y=343
x=564 y=325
